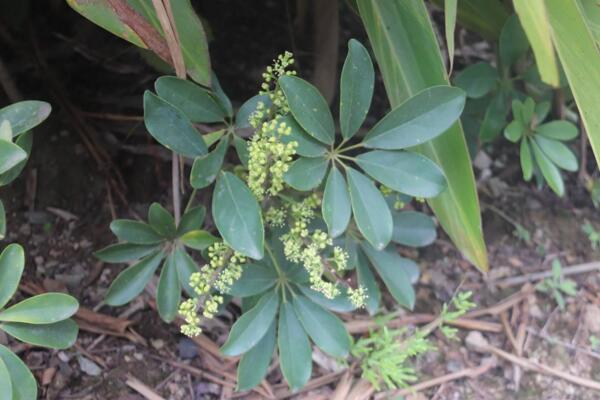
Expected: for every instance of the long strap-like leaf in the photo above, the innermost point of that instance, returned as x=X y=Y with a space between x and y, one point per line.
x=406 y=49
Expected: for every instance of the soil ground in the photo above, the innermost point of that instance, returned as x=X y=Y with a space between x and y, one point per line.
x=60 y=209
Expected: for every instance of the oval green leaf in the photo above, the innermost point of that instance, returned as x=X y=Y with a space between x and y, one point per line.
x=135 y=232
x=237 y=216
x=251 y=326
x=60 y=335
x=550 y=172
x=255 y=279
x=161 y=221
x=206 y=168
x=341 y=303
x=370 y=210
x=45 y=308
x=306 y=173
x=198 y=239
x=404 y=172
x=254 y=364
x=336 y=207
x=191 y=220
x=558 y=130
x=242 y=118
x=186 y=266
x=171 y=128
x=367 y=280
x=413 y=229
x=356 y=88
x=558 y=153
x=130 y=283
x=123 y=252
x=295 y=353
x=168 y=291
x=309 y=108
x=11 y=155
x=198 y=104
x=23 y=382
x=526 y=159
x=419 y=119
x=5 y=382
x=25 y=115
x=477 y=80
x=307 y=146
x=12 y=263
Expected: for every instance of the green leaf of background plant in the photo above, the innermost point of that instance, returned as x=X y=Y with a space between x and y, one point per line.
x=486 y=17
x=171 y=128
x=161 y=221
x=295 y=353
x=191 y=220
x=558 y=130
x=370 y=210
x=206 y=168
x=336 y=206
x=557 y=152
x=198 y=239
x=549 y=170
x=24 y=141
x=394 y=271
x=532 y=14
x=25 y=115
x=5 y=382
x=251 y=326
x=130 y=283
x=450 y=9
x=254 y=364
x=403 y=171
x=306 y=173
x=409 y=59
x=356 y=88
x=45 y=308
x=11 y=155
x=12 y=263
x=223 y=100
x=495 y=117
x=23 y=382
x=514 y=131
x=255 y=279
x=367 y=280
x=414 y=229
x=307 y=146
x=477 y=79
x=197 y=103
x=513 y=42
x=59 y=335
x=324 y=328
x=309 y=108
x=237 y=216
x=419 y=119
x=526 y=159
x=136 y=232
x=123 y=252
x=168 y=291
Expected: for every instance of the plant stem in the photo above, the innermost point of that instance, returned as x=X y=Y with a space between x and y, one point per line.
x=354 y=146
x=175 y=187
x=346 y=157
x=190 y=201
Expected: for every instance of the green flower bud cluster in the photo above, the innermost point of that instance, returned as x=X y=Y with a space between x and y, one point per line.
x=222 y=271
x=271 y=76
x=275 y=216
x=269 y=159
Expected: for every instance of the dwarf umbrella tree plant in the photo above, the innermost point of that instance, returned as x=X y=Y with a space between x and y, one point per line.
x=303 y=220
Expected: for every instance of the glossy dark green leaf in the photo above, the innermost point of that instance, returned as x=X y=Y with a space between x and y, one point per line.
x=514 y=131
x=45 y=308
x=309 y=108
x=25 y=115
x=251 y=326
x=477 y=79
x=255 y=279
x=356 y=88
x=11 y=155
x=12 y=263
x=196 y=103
x=336 y=207
x=395 y=272
x=419 y=119
x=370 y=210
x=495 y=117
x=558 y=130
x=526 y=159
x=324 y=328
x=222 y=98
x=306 y=173
x=59 y=335
x=171 y=128
x=123 y=252
x=248 y=108
x=307 y=146
x=549 y=170
x=198 y=239
x=24 y=141
x=254 y=364
x=413 y=229
x=237 y=216
x=367 y=280
x=168 y=291
x=161 y=221
x=404 y=171
x=241 y=148
x=558 y=153
x=130 y=283
x=340 y=303
x=186 y=266
x=5 y=383
x=206 y=168
x=513 y=42
x=191 y=220
x=295 y=353
x=135 y=232
x=23 y=382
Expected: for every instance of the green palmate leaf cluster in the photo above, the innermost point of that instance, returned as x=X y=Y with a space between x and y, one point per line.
x=42 y=320
x=296 y=210
x=542 y=150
